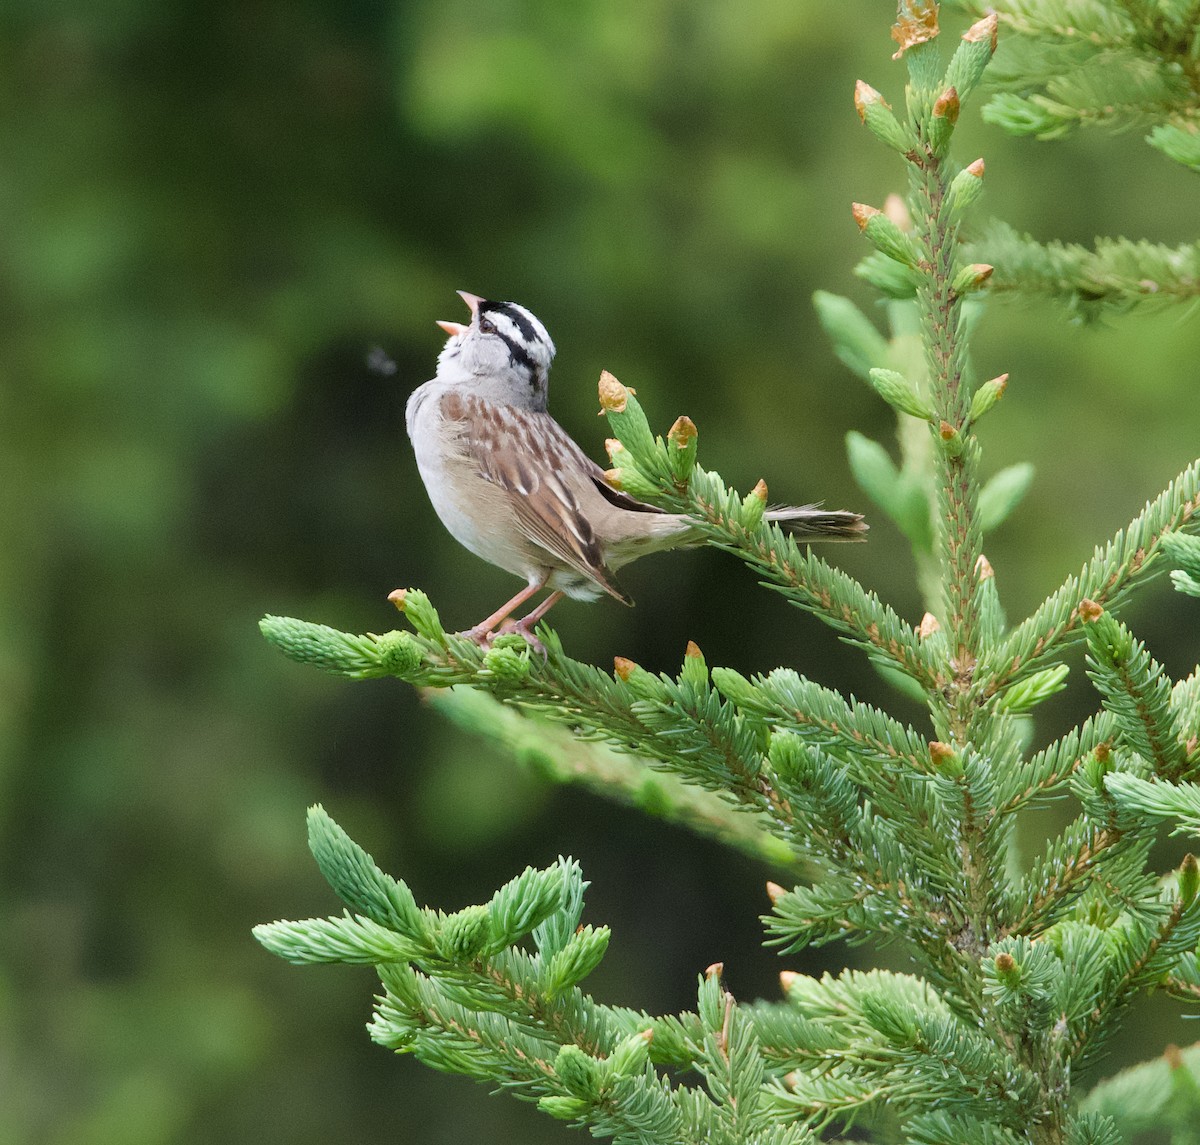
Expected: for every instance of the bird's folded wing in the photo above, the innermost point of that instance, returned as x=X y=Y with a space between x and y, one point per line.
x=532 y=459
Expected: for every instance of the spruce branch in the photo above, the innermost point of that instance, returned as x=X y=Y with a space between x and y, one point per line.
x=1049 y=770
x=683 y=726
x=555 y=753
x=1106 y=579
x=737 y=525
x=1158 y=800
x=475 y=1003
x=1068 y=865
x=1136 y=691
x=1070 y=64
x=1184 y=550
x=902 y=836
x=1117 y=274
x=890 y=1038
x=1136 y=955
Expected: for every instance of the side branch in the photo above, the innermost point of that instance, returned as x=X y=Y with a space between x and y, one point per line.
x=808 y=581
x=1106 y=579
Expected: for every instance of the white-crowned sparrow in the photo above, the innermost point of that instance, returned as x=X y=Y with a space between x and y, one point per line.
x=512 y=487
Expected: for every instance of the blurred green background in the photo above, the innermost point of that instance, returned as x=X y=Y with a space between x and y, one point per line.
x=209 y=213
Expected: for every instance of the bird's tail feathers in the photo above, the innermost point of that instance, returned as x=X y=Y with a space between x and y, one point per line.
x=812 y=523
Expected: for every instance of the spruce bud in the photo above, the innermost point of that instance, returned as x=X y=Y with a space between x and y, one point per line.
x=681 y=449
x=965 y=188
x=631 y=1054
x=644 y=685
x=900 y=393
x=885 y=235
x=754 y=504
x=916 y=23
x=507 y=665
x=399 y=653
x=950 y=437
x=973 y=55
x=614 y=397
x=695 y=670
x=578 y=1071
x=1189 y=880
x=875 y=112
x=971 y=277
x=419 y=612
x=987 y=396
x=465 y=934
x=563 y=1108
x=942 y=121
x=945 y=759
x=628 y=422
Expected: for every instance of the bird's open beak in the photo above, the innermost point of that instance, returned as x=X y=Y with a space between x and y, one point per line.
x=455 y=328
x=472 y=300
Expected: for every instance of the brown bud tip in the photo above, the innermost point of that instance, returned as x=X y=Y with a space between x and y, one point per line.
x=613 y=477
x=896 y=209
x=786 y=978
x=612 y=447
x=693 y=650
x=946 y=431
x=1089 y=611
x=1001 y=384
x=398 y=597
x=863 y=214
x=983 y=271
x=775 y=892
x=1102 y=751
x=977 y=168
x=1005 y=962
x=928 y=626
x=683 y=431
x=984 y=29
x=1173 y=1056
x=647 y=1036
x=983 y=568
x=715 y=970
x=946 y=106
x=623 y=668
x=940 y=752
x=613 y=396
x=916 y=24
x=793 y=1079
x=760 y=491
x=864 y=96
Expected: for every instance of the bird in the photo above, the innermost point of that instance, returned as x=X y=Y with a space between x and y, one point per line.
x=512 y=487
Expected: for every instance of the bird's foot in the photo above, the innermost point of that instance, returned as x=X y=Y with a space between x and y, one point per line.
x=486 y=637
x=524 y=629
x=479 y=635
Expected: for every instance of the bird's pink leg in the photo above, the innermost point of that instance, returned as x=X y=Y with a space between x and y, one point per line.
x=482 y=632
x=525 y=625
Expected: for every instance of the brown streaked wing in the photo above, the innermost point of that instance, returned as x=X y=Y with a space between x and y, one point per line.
x=521 y=452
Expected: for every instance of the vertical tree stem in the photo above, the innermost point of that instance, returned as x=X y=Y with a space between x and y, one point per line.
x=956 y=451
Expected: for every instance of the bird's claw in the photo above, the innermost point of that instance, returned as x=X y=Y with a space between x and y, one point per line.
x=486 y=637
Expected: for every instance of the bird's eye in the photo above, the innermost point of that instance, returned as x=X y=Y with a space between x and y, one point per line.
x=487 y=326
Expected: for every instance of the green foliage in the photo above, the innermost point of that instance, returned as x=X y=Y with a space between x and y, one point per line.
x=1068 y=64
x=1116 y=275
x=1161 y=1096
x=1184 y=550
x=1024 y=969
x=474 y=1000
